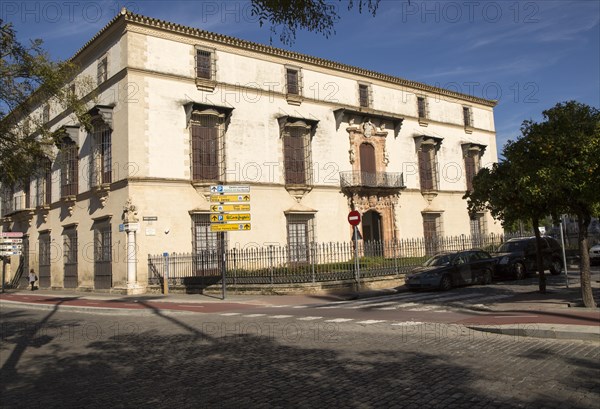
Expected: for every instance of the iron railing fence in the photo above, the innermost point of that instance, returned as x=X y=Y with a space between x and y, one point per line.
x=314 y=262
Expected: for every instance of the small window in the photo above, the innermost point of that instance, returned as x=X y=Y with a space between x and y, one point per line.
x=102 y=70
x=207 y=245
x=422 y=107
x=432 y=232
x=292 y=81
x=468 y=117
x=364 y=95
x=300 y=236
x=204 y=64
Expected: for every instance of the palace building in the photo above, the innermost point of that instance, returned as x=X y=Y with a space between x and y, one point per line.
x=178 y=110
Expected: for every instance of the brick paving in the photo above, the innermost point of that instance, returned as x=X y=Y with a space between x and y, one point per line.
x=66 y=359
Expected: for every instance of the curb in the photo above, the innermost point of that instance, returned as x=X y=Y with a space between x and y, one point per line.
x=547 y=331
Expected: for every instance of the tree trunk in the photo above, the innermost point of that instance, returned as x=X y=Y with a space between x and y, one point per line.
x=538 y=255
x=584 y=265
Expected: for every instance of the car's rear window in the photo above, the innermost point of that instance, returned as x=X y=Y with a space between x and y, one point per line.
x=511 y=246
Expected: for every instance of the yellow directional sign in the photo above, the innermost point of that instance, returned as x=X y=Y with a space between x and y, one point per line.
x=230 y=208
x=230 y=198
x=229 y=217
x=230 y=227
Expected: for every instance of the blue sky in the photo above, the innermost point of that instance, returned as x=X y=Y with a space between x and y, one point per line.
x=527 y=54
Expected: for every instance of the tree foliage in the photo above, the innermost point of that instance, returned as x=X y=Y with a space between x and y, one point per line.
x=29 y=80
x=286 y=17
x=553 y=168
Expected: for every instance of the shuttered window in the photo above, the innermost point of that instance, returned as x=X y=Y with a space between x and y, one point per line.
x=204 y=64
x=363 y=95
x=427 y=171
x=292 y=81
x=422 y=107
x=101 y=169
x=467 y=117
x=471 y=170
x=206 y=146
x=300 y=231
x=296 y=145
x=69 y=168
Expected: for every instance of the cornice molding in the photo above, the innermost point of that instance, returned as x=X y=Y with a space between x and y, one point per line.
x=135 y=19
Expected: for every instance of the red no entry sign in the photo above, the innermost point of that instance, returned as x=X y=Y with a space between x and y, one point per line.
x=354 y=218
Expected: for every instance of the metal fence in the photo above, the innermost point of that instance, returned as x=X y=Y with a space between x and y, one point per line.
x=315 y=262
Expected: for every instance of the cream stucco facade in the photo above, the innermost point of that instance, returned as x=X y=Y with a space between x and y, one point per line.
x=361 y=137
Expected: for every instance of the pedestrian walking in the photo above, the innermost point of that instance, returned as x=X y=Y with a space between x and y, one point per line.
x=32 y=279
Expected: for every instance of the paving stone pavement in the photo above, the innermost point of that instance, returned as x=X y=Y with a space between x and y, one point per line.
x=67 y=359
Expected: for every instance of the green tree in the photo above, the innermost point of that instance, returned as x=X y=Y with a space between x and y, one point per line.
x=30 y=79
x=286 y=17
x=552 y=168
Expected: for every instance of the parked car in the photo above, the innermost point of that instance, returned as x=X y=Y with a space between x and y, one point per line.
x=446 y=270
x=517 y=257
x=595 y=254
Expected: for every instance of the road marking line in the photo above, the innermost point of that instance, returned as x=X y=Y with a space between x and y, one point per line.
x=340 y=320
x=309 y=318
x=227 y=314
x=407 y=323
x=371 y=322
x=280 y=316
x=300 y=306
x=278 y=306
x=254 y=315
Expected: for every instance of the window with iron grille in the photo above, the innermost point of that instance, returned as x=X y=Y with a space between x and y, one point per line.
x=478 y=225
x=207 y=145
x=43 y=188
x=102 y=71
x=468 y=116
x=102 y=243
x=432 y=232
x=205 y=64
x=44 y=249
x=206 y=244
x=471 y=168
x=7 y=200
x=293 y=81
x=69 y=168
x=364 y=95
x=297 y=154
x=427 y=167
x=300 y=235
x=70 y=246
x=101 y=169
x=422 y=107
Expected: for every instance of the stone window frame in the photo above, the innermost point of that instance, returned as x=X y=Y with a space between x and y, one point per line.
x=300 y=236
x=432 y=246
x=206 y=77
x=294 y=96
x=102 y=70
x=423 y=113
x=293 y=125
x=368 y=87
x=468 y=118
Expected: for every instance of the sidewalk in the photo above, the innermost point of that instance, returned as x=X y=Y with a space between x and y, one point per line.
x=556 y=314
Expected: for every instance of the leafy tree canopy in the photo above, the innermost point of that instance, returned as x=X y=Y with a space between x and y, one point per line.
x=286 y=17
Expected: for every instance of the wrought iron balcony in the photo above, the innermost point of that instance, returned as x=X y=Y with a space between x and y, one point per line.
x=380 y=180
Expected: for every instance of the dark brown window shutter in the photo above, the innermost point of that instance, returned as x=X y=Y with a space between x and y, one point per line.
x=425 y=170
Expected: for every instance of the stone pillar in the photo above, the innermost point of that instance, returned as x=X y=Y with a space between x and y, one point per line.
x=131 y=228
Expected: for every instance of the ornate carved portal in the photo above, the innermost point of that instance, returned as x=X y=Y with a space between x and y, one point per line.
x=374 y=200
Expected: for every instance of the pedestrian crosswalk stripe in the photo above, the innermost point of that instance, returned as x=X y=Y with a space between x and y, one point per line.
x=300 y=306
x=340 y=320
x=280 y=316
x=407 y=323
x=371 y=322
x=309 y=318
x=254 y=315
x=227 y=314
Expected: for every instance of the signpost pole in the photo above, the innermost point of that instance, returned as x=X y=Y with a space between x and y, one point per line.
x=166 y=277
x=223 y=264
x=3 y=271
x=562 y=239
x=356 y=263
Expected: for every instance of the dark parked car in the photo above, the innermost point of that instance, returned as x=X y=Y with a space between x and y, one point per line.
x=447 y=270
x=517 y=257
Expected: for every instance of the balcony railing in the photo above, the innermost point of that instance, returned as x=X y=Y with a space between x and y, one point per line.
x=369 y=179
x=15 y=204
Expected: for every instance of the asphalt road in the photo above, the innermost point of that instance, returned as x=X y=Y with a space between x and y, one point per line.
x=175 y=359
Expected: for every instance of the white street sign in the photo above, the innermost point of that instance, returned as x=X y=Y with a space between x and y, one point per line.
x=229 y=189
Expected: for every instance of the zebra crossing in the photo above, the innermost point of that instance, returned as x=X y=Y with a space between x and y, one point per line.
x=434 y=302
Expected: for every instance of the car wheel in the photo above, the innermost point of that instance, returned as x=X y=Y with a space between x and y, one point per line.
x=487 y=277
x=556 y=268
x=519 y=270
x=446 y=283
